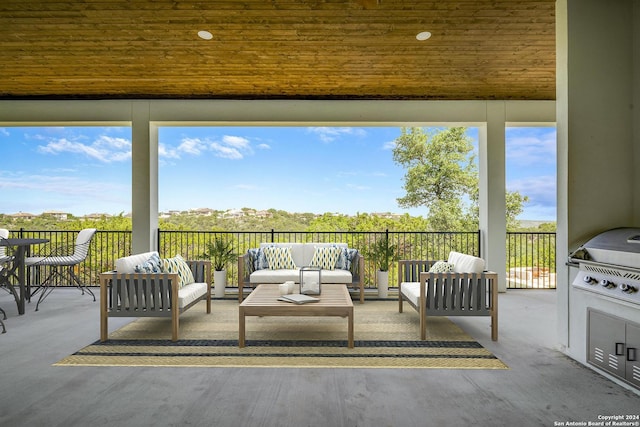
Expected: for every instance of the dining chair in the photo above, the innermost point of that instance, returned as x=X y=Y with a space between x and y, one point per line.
x=59 y=262
x=4 y=260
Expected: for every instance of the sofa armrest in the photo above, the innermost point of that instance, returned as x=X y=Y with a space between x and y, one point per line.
x=357 y=274
x=243 y=274
x=459 y=294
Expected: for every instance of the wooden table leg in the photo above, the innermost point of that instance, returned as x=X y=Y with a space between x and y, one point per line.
x=350 y=332
x=241 y=327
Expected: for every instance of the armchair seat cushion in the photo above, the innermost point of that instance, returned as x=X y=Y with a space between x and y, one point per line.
x=411 y=292
x=190 y=293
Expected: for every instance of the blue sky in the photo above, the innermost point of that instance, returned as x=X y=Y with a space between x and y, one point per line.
x=85 y=170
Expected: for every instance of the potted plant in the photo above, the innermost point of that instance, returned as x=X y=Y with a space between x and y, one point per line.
x=383 y=254
x=221 y=254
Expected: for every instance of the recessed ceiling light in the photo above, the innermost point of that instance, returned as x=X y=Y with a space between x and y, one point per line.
x=423 y=35
x=205 y=35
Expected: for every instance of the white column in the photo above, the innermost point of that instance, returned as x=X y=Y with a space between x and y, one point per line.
x=493 y=224
x=144 y=176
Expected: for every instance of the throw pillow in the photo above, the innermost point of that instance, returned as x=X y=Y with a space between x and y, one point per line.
x=325 y=257
x=152 y=265
x=257 y=259
x=441 y=267
x=178 y=265
x=279 y=257
x=343 y=259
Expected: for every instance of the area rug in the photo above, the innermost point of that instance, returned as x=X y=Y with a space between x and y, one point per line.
x=384 y=338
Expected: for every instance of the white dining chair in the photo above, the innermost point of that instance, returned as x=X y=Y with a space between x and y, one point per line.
x=4 y=261
x=59 y=262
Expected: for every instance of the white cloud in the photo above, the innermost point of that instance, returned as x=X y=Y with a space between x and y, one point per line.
x=389 y=145
x=329 y=134
x=4 y=132
x=541 y=190
x=167 y=152
x=532 y=148
x=231 y=147
x=358 y=187
x=193 y=146
x=264 y=146
x=104 y=148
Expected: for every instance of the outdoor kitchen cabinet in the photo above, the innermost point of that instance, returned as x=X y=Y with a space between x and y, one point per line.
x=613 y=345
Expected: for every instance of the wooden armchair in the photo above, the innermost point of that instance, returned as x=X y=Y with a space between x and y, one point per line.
x=447 y=294
x=152 y=295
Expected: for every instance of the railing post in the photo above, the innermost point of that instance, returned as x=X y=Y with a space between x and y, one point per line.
x=273 y=239
x=479 y=244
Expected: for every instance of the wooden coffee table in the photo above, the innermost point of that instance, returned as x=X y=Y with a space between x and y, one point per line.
x=263 y=301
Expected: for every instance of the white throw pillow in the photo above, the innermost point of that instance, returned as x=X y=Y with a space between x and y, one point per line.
x=463 y=263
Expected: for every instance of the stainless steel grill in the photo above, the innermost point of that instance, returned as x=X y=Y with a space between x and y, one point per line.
x=609 y=264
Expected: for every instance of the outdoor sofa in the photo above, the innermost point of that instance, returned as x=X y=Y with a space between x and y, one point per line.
x=457 y=287
x=144 y=285
x=254 y=267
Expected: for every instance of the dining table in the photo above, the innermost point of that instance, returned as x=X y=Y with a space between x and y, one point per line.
x=17 y=269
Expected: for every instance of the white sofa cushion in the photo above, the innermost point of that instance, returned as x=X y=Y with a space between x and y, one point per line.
x=128 y=264
x=191 y=292
x=281 y=276
x=463 y=263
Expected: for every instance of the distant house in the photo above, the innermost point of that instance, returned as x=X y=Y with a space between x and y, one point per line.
x=262 y=214
x=202 y=211
x=62 y=216
x=96 y=216
x=23 y=215
x=234 y=213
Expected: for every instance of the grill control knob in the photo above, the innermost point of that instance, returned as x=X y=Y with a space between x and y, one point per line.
x=628 y=288
x=589 y=280
x=607 y=284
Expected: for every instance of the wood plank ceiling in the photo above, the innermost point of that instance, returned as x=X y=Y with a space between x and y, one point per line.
x=278 y=49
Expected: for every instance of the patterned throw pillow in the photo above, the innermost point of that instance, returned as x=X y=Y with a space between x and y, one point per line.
x=279 y=257
x=325 y=257
x=151 y=265
x=441 y=267
x=178 y=265
x=257 y=259
x=344 y=261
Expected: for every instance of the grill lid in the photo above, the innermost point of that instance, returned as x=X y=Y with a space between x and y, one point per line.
x=619 y=246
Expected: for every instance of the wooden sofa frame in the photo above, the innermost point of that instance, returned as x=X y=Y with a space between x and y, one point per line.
x=450 y=294
x=357 y=280
x=158 y=290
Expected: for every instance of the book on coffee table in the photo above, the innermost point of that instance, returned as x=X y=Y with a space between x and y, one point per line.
x=298 y=298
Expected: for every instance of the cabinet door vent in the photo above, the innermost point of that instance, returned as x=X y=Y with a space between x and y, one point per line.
x=636 y=373
x=613 y=361
x=598 y=354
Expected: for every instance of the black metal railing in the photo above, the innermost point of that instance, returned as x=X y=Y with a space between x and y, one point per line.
x=530 y=256
x=531 y=260
x=409 y=244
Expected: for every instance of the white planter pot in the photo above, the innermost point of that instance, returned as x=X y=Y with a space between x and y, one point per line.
x=219 y=282
x=382 y=278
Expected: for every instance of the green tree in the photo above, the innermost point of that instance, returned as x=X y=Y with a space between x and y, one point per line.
x=441 y=173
